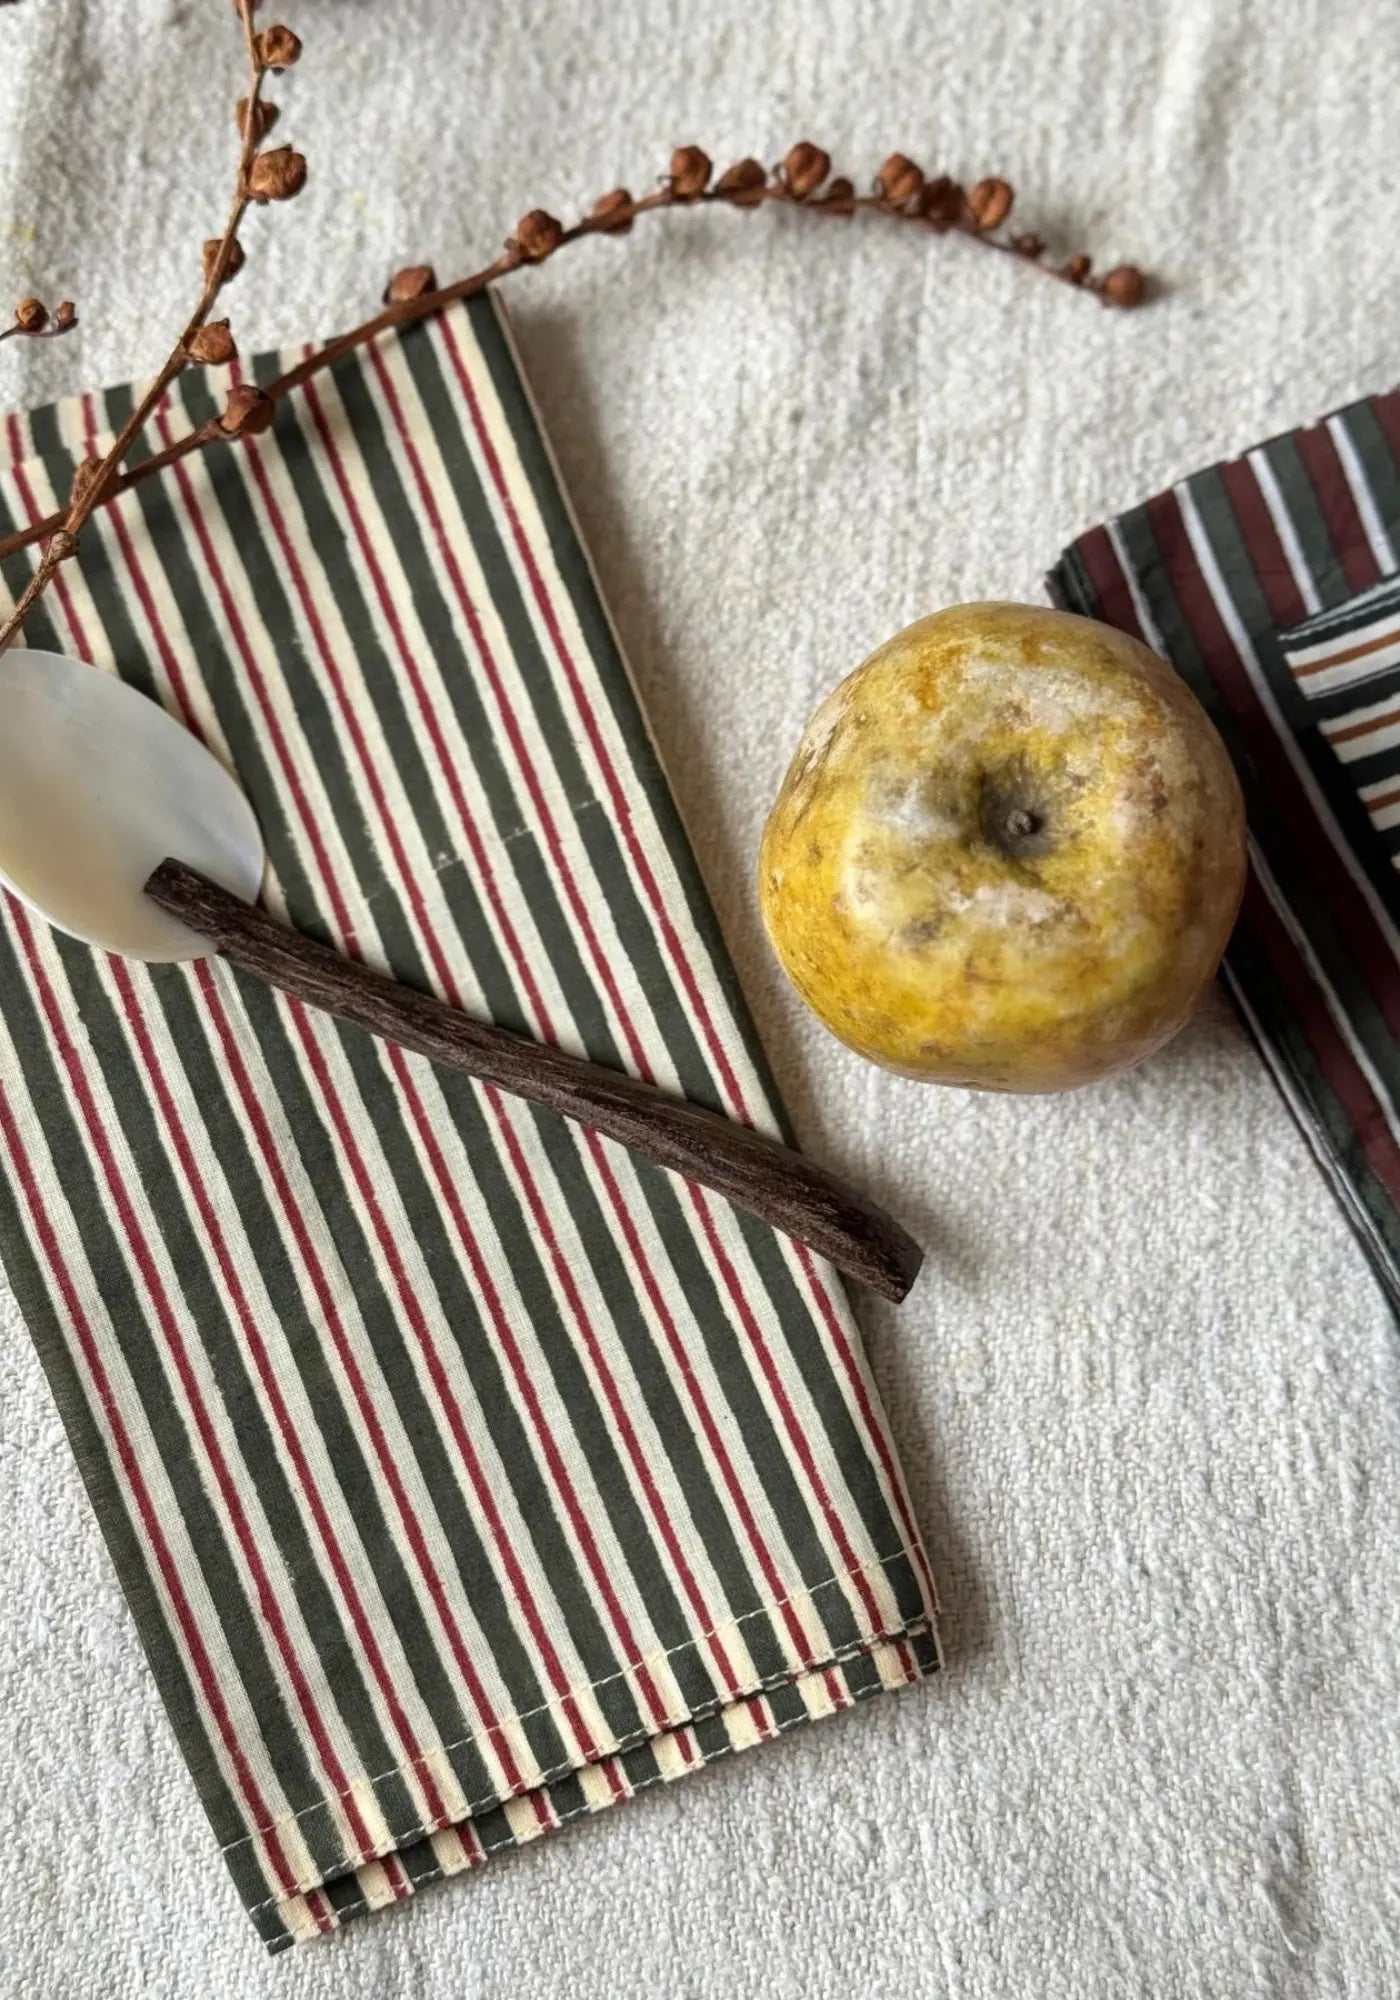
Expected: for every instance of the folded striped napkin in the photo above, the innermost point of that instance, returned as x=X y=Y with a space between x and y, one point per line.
x=464 y=1472
x=1273 y=583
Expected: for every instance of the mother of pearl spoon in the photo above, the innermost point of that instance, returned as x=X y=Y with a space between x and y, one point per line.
x=121 y=829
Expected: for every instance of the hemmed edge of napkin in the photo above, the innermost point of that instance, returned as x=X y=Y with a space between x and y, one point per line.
x=882 y=1665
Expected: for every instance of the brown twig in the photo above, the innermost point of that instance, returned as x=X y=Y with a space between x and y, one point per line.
x=802 y=180
x=755 y=1172
x=261 y=177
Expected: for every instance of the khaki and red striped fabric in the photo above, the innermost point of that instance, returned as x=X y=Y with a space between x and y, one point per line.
x=1273 y=584
x=464 y=1472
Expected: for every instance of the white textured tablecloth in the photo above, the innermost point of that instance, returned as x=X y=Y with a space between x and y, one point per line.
x=1147 y=1393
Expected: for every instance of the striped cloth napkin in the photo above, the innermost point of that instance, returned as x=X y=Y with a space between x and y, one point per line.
x=1273 y=583
x=464 y=1472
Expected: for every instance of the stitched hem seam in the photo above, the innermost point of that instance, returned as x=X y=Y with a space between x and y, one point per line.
x=921 y=1628
x=699 y=1712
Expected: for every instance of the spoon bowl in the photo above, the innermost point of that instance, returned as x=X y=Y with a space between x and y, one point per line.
x=97 y=785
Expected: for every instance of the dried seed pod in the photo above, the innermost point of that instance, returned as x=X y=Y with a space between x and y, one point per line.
x=232 y=267
x=84 y=473
x=839 y=199
x=31 y=315
x=247 y=410
x=277 y=47
x=742 y=184
x=65 y=315
x=213 y=345
x=690 y=172
x=942 y=202
x=1028 y=244
x=410 y=283
x=990 y=203
x=805 y=167
x=899 y=180
x=538 y=235
x=264 y=118
x=612 y=212
x=1078 y=269
x=1124 y=285
x=276 y=176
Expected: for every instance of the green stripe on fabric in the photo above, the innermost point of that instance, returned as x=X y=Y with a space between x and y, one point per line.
x=1378 y=462
x=1314 y=537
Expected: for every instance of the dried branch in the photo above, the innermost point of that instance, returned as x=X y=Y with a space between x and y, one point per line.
x=261 y=177
x=802 y=180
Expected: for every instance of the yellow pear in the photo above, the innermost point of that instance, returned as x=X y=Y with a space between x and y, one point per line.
x=1008 y=852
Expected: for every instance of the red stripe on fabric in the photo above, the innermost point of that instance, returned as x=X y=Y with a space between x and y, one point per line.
x=322 y=1914
x=1263 y=543
x=1386 y=410
x=1345 y=900
x=622 y=815
x=267 y=1602
x=1317 y=448
x=264 y=1823
x=1347 y=1080
x=1104 y=571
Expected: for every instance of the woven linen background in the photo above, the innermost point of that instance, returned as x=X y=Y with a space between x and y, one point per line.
x=466 y=1472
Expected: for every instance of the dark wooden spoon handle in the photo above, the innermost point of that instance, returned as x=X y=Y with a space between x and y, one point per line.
x=755 y=1172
